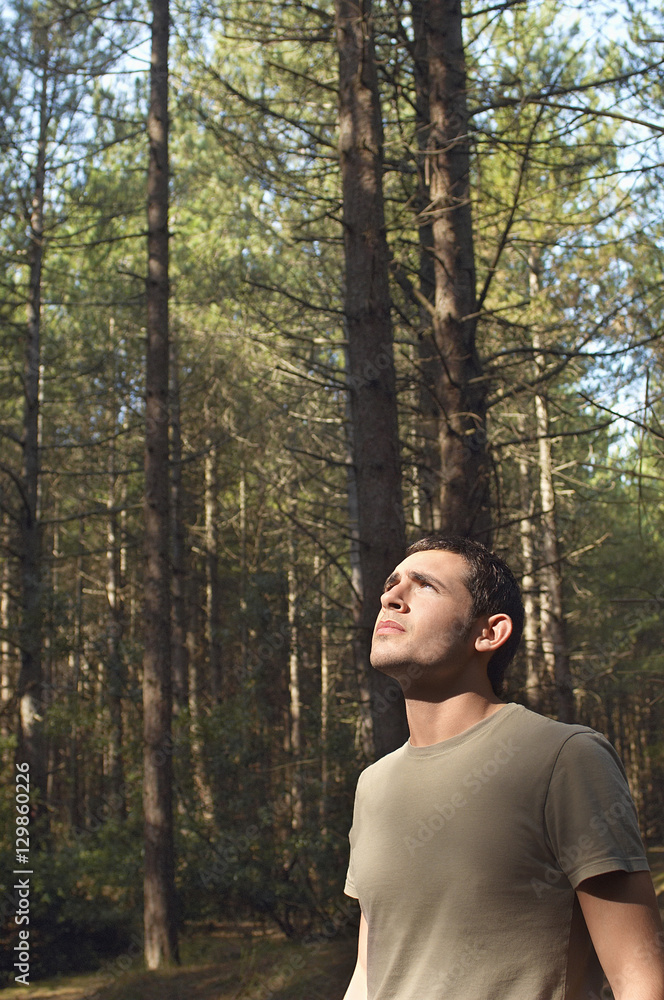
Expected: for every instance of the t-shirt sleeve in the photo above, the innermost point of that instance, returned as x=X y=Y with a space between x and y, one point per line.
x=349 y=887
x=590 y=817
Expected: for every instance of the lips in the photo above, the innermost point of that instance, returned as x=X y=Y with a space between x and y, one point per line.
x=387 y=626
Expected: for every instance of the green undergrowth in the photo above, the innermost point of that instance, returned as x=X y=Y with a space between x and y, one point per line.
x=218 y=963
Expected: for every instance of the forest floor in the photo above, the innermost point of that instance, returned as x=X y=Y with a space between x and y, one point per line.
x=231 y=962
x=219 y=962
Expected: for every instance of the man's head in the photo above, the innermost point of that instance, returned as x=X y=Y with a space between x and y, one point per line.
x=493 y=590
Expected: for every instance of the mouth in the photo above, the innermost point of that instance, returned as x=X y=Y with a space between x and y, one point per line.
x=388 y=626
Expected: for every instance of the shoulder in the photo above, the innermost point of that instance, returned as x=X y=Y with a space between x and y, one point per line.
x=559 y=747
x=541 y=725
x=381 y=770
x=541 y=731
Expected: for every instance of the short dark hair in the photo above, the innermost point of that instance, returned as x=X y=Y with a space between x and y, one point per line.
x=493 y=589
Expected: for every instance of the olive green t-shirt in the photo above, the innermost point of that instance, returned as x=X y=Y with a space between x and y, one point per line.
x=465 y=856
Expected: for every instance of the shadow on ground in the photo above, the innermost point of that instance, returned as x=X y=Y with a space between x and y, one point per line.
x=222 y=964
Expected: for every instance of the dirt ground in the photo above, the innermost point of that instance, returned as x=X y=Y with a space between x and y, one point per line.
x=218 y=963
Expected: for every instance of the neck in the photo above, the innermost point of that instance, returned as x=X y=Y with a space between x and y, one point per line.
x=434 y=721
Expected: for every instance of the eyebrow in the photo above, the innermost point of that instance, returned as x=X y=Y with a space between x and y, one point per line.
x=415 y=575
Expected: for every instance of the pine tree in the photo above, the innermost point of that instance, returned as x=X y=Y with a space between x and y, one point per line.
x=159 y=891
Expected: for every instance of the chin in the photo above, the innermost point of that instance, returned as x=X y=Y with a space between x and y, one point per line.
x=384 y=666
x=403 y=673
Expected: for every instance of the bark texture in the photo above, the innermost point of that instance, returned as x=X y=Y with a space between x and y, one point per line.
x=116 y=673
x=159 y=915
x=371 y=377
x=552 y=619
x=535 y=665
x=31 y=742
x=555 y=648
x=455 y=389
x=429 y=467
x=179 y=651
x=213 y=595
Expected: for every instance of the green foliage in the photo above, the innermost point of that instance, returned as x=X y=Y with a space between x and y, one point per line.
x=85 y=898
x=243 y=859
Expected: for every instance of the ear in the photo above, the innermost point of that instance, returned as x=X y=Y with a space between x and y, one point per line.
x=496 y=630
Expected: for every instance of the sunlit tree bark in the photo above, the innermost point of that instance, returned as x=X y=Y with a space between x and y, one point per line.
x=159 y=910
x=552 y=621
x=371 y=379
x=455 y=389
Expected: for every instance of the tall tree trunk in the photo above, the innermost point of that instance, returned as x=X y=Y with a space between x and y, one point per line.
x=552 y=621
x=451 y=365
x=197 y=686
x=77 y=807
x=179 y=651
x=429 y=467
x=535 y=667
x=295 y=701
x=364 y=730
x=115 y=664
x=554 y=640
x=212 y=568
x=115 y=668
x=159 y=908
x=324 y=696
x=244 y=634
x=31 y=742
x=371 y=377
x=6 y=671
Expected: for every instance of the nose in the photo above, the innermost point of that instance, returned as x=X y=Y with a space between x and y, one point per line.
x=394 y=598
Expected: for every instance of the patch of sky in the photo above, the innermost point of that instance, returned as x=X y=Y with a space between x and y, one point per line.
x=599 y=17
x=617 y=386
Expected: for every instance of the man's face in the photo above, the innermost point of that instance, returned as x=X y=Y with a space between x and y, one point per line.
x=424 y=631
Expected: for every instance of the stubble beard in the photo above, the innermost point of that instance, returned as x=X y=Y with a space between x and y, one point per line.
x=406 y=670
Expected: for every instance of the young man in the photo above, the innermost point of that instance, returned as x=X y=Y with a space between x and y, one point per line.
x=495 y=856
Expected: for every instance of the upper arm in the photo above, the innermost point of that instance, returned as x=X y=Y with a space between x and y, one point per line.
x=362 y=940
x=357 y=988
x=620 y=910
